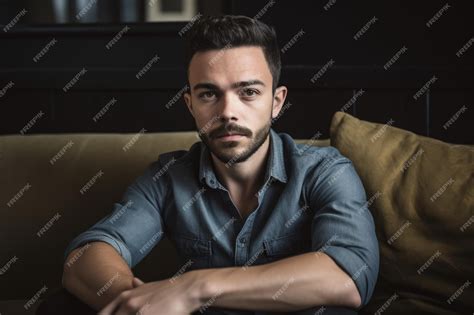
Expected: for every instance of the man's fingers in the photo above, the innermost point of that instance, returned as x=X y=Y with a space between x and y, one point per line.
x=110 y=308
x=137 y=282
x=114 y=307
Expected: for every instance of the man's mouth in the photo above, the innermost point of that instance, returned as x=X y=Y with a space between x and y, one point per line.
x=230 y=136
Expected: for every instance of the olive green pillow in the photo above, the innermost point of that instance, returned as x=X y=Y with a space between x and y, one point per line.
x=420 y=192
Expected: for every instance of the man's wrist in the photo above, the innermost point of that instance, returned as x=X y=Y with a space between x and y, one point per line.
x=201 y=289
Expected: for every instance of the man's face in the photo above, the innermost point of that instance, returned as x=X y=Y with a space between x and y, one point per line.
x=231 y=93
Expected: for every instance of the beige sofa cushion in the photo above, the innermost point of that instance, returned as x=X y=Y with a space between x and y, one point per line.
x=41 y=179
x=420 y=192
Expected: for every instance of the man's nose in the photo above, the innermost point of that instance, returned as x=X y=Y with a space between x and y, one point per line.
x=228 y=107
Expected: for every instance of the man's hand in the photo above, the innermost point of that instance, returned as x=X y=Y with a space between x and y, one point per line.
x=137 y=282
x=290 y=284
x=177 y=297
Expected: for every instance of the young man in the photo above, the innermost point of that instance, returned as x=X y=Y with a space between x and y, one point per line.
x=263 y=224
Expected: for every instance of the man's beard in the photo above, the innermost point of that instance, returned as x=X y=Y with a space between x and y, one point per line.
x=220 y=149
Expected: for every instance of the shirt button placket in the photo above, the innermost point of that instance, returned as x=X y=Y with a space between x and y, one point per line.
x=241 y=250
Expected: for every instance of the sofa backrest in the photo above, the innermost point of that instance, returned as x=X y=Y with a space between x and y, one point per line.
x=56 y=186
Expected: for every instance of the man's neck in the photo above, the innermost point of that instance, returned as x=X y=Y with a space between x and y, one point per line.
x=244 y=178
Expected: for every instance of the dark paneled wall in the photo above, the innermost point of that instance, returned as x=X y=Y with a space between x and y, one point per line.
x=431 y=56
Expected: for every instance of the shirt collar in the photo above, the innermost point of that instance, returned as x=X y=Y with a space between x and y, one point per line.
x=275 y=166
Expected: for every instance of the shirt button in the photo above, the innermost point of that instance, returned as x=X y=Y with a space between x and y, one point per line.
x=242 y=240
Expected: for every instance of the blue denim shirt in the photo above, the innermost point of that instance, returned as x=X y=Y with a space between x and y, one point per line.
x=312 y=200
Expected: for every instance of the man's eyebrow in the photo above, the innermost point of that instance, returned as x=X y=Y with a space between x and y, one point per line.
x=211 y=86
x=246 y=83
x=207 y=86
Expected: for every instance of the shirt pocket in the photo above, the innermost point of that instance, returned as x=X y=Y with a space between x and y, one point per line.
x=284 y=246
x=195 y=253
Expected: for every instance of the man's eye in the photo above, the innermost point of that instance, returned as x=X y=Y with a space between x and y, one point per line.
x=250 y=92
x=207 y=95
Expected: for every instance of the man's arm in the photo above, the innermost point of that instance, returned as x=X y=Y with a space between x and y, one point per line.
x=342 y=268
x=96 y=274
x=290 y=284
x=100 y=270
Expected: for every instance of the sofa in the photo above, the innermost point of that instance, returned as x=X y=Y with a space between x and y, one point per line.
x=420 y=192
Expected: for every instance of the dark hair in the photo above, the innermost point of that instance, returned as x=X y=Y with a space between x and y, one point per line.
x=221 y=32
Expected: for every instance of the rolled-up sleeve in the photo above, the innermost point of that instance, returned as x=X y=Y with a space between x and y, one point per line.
x=135 y=224
x=342 y=226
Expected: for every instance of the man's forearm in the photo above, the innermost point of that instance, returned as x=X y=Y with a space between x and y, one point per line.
x=294 y=283
x=97 y=276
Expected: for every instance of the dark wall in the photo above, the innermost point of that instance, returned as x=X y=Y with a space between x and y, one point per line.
x=327 y=30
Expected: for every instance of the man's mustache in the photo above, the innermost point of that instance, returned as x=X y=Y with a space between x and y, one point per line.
x=229 y=128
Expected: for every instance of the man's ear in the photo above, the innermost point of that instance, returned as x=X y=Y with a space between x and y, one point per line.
x=278 y=100
x=189 y=103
